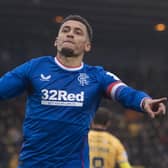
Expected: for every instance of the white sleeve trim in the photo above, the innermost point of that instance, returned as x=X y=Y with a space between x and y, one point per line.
x=114 y=89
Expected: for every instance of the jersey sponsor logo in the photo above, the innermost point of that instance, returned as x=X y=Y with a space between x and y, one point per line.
x=62 y=98
x=45 y=78
x=83 y=79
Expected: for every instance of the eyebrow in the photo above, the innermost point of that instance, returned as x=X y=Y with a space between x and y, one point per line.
x=76 y=28
x=67 y=26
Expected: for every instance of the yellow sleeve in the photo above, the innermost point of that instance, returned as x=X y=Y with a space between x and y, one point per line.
x=125 y=165
x=121 y=156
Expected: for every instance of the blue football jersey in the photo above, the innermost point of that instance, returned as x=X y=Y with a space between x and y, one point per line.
x=61 y=103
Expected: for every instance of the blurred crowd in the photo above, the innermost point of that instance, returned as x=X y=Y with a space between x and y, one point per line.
x=146 y=140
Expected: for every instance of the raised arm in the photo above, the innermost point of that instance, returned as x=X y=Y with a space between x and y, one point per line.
x=132 y=98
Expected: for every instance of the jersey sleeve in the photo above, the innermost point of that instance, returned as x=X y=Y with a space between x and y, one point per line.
x=119 y=91
x=121 y=152
x=109 y=82
x=131 y=98
x=14 y=82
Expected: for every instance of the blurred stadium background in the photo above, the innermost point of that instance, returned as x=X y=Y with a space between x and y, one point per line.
x=130 y=39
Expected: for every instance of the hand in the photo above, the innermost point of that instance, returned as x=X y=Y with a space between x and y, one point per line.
x=154 y=107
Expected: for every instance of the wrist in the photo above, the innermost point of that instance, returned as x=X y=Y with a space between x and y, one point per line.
x=143 y=103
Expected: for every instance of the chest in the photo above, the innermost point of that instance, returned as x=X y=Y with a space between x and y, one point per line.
x=65 y=86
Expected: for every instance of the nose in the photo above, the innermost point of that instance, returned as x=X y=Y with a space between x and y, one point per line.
x=70 y=34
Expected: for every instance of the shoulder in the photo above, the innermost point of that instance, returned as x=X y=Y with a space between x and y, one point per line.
x=42 y=59
x=100 y=71
x=35 y=63
x=120 y=148
x=115 y=140
x=39 y=61
x=94 y=69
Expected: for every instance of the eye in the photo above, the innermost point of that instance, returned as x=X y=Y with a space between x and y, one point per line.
x=65 y=29
x=78 y=32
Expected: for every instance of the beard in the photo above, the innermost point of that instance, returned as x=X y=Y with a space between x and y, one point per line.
x=68 y=52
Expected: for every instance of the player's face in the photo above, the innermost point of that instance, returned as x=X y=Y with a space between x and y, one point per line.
x=72 y=39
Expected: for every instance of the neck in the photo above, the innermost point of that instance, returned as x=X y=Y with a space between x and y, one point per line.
x=98 y=126
x=70 y=61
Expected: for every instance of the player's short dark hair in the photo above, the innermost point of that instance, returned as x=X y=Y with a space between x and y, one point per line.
x=102 y=116
x=82 y=20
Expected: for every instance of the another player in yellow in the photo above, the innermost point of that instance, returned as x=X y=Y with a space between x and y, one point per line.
x=106 y=150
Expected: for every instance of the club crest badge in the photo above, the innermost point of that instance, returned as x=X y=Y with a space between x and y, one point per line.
x=83 y=79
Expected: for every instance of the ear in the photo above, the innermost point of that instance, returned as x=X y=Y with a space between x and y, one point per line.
x=88 y=47
x=55 y=42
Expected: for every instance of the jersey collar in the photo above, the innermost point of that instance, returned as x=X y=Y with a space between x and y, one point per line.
x=68 y=68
